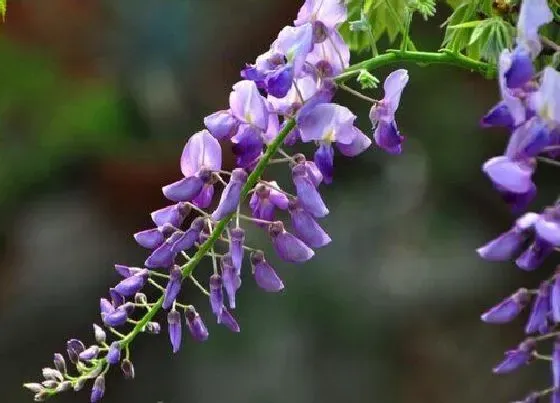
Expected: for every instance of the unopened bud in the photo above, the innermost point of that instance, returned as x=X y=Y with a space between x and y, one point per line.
x=127 y=369
x=99 y=333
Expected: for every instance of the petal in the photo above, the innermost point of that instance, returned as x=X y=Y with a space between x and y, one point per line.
x=216 y=295
x=547 y=99
x=555 y=299
x=230 y=195
x=237 y=238
x=247 y=145
x=329 y=12
x=185 y=189
x=173 y=287
x=173 y=215
x=498 y=116
x=150 y=239
x=508 y=309
x=532 y=15
x=202 y=150
x=387 y=137
x=360 y=143
x=221 y=124
x=331 y=56
x=307 y=193
x=529 y=139
x=196 y=326
x=204 y=198
x=394 y=86
x=279 y=82
x=329 y=122
x=227 y=319
x=247 y=104
x=521 y=69
x=548 y=230
x=287 y=246
x=307 y=229
x=265 y=276
x=174 y=328
x=504 y=247
x=509 y=175
x=540 y=310
x=514 y=104
x=535 y=255
x=324 y=161
x=131 y=285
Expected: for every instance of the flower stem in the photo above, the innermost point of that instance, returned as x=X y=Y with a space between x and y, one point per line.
x=398 y=56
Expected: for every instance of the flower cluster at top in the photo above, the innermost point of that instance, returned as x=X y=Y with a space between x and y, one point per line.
x=285 y=97
x=530 y=110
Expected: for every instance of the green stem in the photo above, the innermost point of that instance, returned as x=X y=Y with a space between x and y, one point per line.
x=397 y=56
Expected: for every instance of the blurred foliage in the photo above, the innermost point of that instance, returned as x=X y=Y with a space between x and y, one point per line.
x=3 y=8
x=48 y=120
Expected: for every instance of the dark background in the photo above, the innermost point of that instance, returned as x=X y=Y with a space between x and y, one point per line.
x=97 y=99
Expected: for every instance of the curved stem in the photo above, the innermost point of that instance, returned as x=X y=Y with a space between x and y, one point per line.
x=397 y=56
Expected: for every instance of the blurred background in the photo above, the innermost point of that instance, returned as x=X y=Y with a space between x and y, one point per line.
x=97 y=99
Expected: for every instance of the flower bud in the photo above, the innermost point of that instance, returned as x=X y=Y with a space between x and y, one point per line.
x=64 y=386
x=33 y=387
x=98 y=389
x=89 y=354
x=216 y=295
x=114 y=354
x=127 y=369
x=100 y=335
x=52 y=374
x=196 y=326
x=41 y=396
x=508 y=309
x=50 y=384
x=59 y=363
x=140 y=298
x=174 y=328
x=153 y=327
x=74 y=347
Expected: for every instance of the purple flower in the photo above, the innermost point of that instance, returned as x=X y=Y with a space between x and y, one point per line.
x=508 y=309
x=330 y=57
x=173 y=215
x=114 y=353
x=360 y=143
x=59 y=363
x=306 y=228
x=265 y=199
x=540 y=310
x=216 y=295
x=204 y=198
x=202 y=151
x=230 y=277
x=89 y=353
x=307 y=193
x=546 y=100
x=535 y=255
x=512 y=176
x=221 y=124
x=236 y=241
x=115 y=318
x=227 y=319
x=330 y=13
x=506 y=245
x=516 y=358
x=248 y=106
x=555 y=299
x=532 y=15
x=164 y=256
x=187 y=239
x=230 y=195
x=382 y=114
x=131 y=285
x=327 y=123
x=304 y=87
x=127 y=368
x=556 y=364
x=265 y=276
x=98 y=389
x=174 y=328
x=173 y=287
x=153 y=238
x=294 y=43
x=498 y=116
x=201 y=156
x=74 y=348
x=195 y=324
x=287 y=246
x=528 y=140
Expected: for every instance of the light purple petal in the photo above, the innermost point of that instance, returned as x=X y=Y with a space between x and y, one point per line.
x=329 y=12
x=328 y=122
x=331 y=56
x=532 y=15
x=360 y=143
x=548 y=230
x=248 y=105
x=546 y=101
x=386 y=108
x=202 y=150
x=509 y=175
x=514 y=104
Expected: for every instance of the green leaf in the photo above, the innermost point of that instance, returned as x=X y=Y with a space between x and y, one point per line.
x=367 y=80
x=469 y=24
x=386 y=17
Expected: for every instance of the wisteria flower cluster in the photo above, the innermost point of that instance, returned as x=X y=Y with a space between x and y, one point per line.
x=286 y=97
x=530 y=110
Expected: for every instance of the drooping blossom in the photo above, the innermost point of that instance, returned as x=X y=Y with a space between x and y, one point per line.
x=382 y=114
